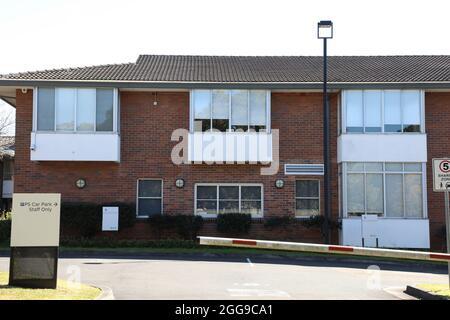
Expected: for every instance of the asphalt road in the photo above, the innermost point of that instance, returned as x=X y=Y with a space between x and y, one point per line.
x=206 y=277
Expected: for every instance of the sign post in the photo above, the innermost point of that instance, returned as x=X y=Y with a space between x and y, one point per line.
x=441 y=183
x=35 y=240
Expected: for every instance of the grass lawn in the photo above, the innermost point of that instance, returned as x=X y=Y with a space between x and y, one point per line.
x=438 y=289
x=64 y=291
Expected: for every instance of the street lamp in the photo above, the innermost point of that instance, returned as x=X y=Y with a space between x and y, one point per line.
x=325 y=31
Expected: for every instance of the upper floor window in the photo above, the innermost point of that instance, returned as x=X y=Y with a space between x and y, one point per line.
x=230 y=110
x=371 y=111
x=75 y=109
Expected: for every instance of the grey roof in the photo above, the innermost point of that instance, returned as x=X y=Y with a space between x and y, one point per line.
x=7 y=146
x=255 y=69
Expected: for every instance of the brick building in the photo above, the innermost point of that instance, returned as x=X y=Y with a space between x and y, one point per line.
x=109 y=133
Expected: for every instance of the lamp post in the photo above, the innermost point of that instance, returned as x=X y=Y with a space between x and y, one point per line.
x=325 y=31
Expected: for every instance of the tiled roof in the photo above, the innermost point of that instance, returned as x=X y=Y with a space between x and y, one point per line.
x=256 y=69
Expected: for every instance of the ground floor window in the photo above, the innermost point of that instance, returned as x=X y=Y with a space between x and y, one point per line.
x=149 y=200
x=212 y=199
x=307 y=198
x=392 y=190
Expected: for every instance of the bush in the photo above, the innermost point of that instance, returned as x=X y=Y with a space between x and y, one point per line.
x=234 y=223
x=186 y=226
x=121 y=243
x=86 y=218
x=5 y=229
x=282 y=221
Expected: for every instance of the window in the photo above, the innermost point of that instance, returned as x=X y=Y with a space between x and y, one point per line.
x=230 y=110
x=307 y=199
x=70 y=109
x=371 y=111
x=149 y=202
x=213 y=199
x=393 y=190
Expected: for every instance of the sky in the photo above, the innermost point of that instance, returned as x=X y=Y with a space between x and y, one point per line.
x=47 y=34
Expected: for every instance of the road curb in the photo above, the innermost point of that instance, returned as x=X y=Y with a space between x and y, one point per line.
x=422 y=294
x=106 y=293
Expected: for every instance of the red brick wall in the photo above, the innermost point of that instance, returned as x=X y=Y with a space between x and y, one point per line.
x=438 y=132
x=146 y=149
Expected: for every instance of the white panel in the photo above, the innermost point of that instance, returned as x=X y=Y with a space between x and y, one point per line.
x=75 y=147
x=8 y=188
x=392 y=233
x=224 y=147
x=382 y=147
x=110 y=221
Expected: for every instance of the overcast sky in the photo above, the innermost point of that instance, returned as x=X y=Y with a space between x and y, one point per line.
x=57 y=33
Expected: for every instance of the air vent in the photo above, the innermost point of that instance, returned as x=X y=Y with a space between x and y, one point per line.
x=303 y=169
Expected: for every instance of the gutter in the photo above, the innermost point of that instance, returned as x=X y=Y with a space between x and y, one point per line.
x=225 y=85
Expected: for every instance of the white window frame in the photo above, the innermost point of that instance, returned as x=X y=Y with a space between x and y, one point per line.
x=115 y=112
x=384 y=173
x=137 y=196
x=217 y=185
x=192 y=111
x=343 y=109
x=306 y=198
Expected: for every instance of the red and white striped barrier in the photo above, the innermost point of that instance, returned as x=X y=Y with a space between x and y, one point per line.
x=323 y=248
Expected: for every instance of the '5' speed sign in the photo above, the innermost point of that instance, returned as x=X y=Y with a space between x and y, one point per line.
x=441 y=174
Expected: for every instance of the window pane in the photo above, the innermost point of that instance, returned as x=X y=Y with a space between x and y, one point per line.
x=229 y=192
x=307 y=188
x=149 y=207
x=372 y=104
x=392 y=111
x=86 y=100
x=220 y=105
x=354 y=111
x=374 y=167
x=355 y=194
x=202 y=104
x=239 y=109
x=228 y=206
x=150 y=188
x=257 y=108
x=393 y=166
x=306 y=207
x=46 y=109
x=411 y=110
x=413 y=195
x=413 y=167
x=206 y=206
x=394 y=195
x=105 y=111
x=374 y=193
x=206 y=192
x=251 y=207
x=202 y=125
x=251 y=193
x=355 y=166
x=8 y=169
x=65 y=104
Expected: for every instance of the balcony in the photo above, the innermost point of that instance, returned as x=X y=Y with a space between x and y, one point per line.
x=230 y=147
x=53 y=146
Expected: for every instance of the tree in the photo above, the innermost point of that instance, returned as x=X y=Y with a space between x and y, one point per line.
x=6 y=121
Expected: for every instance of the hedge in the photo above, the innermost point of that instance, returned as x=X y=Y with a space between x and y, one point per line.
x=186 y=226
x=234 y=223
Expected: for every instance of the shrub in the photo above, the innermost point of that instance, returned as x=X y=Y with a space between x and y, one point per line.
x=234 y=223
x=86 y=218
x=5 y=227
x=282 y=221
x=186 y=226
x=122 y=243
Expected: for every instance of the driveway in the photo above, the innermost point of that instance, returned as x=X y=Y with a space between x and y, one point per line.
x=209 y=277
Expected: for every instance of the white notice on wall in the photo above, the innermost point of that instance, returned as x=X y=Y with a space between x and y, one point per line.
x=110 y=219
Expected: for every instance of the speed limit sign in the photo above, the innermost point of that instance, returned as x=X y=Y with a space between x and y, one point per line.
x=441 y=175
